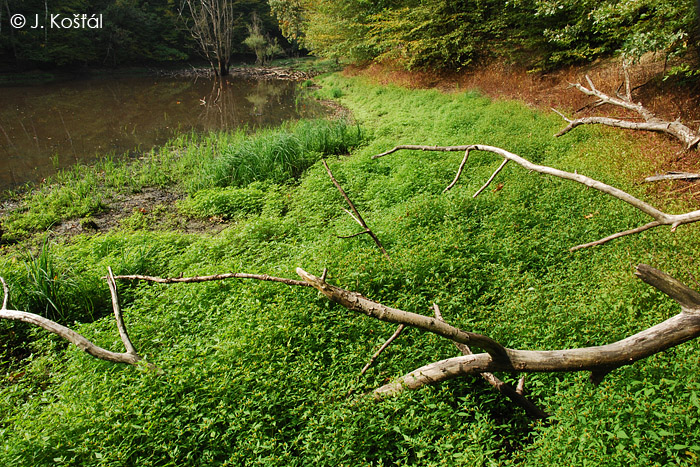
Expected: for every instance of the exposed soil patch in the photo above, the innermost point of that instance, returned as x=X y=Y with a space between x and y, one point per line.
x=152 y=209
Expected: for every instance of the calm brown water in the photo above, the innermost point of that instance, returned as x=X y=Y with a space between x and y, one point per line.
x=49 y=126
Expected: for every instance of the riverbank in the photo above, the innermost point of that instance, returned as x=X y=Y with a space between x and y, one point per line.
x=76 y=121
x=261 y=372
x=293 y=69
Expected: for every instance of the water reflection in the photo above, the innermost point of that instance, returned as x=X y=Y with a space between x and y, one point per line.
x=55 y=125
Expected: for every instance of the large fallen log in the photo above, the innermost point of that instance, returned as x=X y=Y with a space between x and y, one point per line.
x=130 y=357
x=599 y=360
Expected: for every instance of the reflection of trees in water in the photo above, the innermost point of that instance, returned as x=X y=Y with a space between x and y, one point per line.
x=219 y=107
x=63 y=122
x=265 y=94
x=228 y=105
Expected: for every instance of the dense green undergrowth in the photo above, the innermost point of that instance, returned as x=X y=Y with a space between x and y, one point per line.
x=259 y=373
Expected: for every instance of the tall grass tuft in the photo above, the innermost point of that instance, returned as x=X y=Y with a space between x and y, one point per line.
x=280 y=154
x=55 y=293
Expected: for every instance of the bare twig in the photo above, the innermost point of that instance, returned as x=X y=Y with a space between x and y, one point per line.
x=636 y=230
x=459 y=171
x=673 y=176
x=118 y=313
x=660 y=217
x=515 y=395
x=6 y=294
x=488 y=182
x=383 y=347
x=213 y=277
x=356 y=216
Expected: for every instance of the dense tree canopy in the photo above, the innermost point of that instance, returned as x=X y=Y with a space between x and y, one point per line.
x=452 y=34
x=413 y=33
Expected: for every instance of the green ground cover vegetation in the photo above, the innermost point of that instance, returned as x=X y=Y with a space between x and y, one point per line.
x=259 y=373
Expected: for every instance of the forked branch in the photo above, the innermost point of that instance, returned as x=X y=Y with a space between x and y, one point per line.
x=660 y=217
x=355 y=302
x=130 y=357
x=514 y=394
x=355 y=214
x=651 y=122
x=600 y=360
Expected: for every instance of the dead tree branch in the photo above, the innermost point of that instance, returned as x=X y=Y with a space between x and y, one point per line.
x=357 y=217
x=382 y=348
x=599 y=360
x=660 y=218
x=488 y=182
x=515 y=395
x=213 y=277
x=130 y=357
x=673 y=176
x=651 y=122
x=355 y=302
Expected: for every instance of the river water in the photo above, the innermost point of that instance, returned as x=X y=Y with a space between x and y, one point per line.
x=50 y=126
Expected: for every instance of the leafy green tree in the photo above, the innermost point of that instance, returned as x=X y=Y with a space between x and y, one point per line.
x=290 y=16
x=265 y=48
x=584 y=29
x=454 y=34
x=136 y=31
x=131 y=31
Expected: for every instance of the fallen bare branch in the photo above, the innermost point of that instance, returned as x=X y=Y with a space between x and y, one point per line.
x=459 y=170
x=673 y=176
x=636 y=230
x=600 y=360
x=355 y=302
x=383 y=348
x=676 y=129
x=515 y=395
x=130 y=357
x=488 y=182
x=118 y=313
x=660 y=217
x=213 y=277
x=357 y=217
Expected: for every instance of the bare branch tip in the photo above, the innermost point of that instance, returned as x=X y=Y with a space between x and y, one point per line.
x=6 y=294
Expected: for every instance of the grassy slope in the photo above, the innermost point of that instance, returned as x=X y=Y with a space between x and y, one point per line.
x=257 y=374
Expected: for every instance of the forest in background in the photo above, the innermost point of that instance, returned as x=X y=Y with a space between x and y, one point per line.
x=132 y=32
x=436 y=34
x=539 y=34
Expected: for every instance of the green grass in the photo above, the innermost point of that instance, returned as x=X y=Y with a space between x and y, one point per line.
x=258 y=373
x=280 y=154
x=187 y=163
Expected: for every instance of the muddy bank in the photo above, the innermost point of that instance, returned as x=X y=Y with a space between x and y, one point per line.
x=151 y=209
